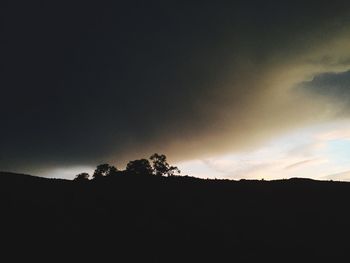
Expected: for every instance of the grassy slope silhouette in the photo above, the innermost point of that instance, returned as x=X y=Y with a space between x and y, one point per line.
x=177 y=219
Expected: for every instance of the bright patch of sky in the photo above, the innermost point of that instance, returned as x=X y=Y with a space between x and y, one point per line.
x=319 y=152
x=67 y=172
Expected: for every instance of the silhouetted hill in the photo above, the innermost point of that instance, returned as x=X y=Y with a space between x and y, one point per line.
x=175 y=219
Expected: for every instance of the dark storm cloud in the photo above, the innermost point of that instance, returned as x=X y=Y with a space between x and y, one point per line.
x=86 y=82
x=333 y=89
x=331 y=85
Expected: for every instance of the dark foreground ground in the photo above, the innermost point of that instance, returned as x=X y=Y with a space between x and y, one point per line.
x=181 y=219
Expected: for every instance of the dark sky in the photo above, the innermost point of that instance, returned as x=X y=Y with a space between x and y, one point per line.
x=85 y=82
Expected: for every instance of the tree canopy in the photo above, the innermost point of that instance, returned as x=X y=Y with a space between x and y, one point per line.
x=104 y=170
x=158 y=166
x=139 y=167
x=82 y=177
x=161 y=166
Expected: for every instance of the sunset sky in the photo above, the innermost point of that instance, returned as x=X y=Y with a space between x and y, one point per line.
x=226 y=89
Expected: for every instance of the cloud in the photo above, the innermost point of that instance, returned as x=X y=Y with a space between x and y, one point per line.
x=305 y=163
x=334 y=87
x=307 y=149
x=343 y=176
x=339 y=134
x=120 y=81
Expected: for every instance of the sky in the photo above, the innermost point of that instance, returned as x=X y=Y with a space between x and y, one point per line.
x=319 y=152
x=226 y=89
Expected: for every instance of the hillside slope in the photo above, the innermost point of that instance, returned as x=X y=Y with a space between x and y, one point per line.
x=177 y=219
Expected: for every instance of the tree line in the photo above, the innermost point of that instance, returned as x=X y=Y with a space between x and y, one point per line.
x=157 y=165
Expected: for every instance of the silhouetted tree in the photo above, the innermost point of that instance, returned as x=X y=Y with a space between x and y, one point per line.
x=139 y=167
x=112 y=170
x=104 y=170
x=82 y=177
x=161 y=166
